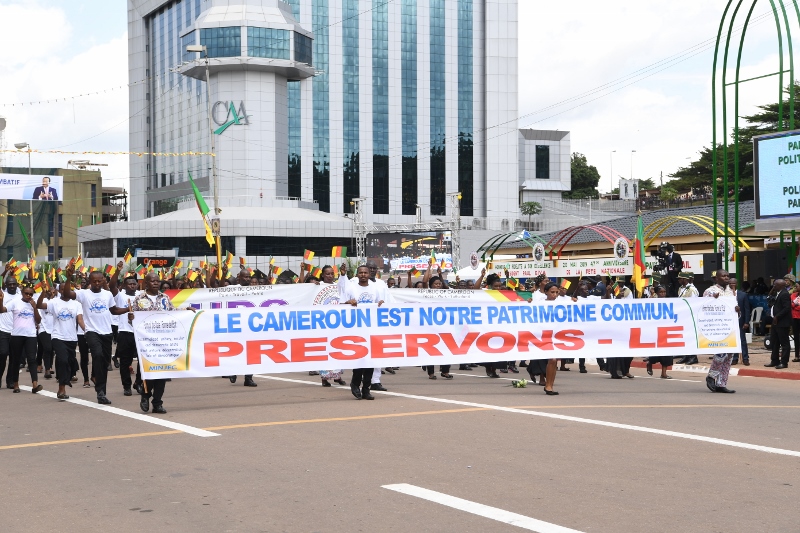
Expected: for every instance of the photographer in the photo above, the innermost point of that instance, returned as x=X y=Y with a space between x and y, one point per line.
x=670 y=263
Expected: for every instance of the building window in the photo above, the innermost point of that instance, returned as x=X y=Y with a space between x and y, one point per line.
x=408 y=66
x=542 y=162
x=295 y=140
x=94 y=195
x=50 y=256
x=321 y=109
x=303 y=48
x=60 y=225
x=466 y=165
x=267 y=42
x=9 y=227
x=350 y=73
x=437 y=109
x=222 y=42
x=186 y=40
x=380 y=107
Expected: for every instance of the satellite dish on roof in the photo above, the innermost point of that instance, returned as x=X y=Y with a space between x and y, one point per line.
x=2 y=123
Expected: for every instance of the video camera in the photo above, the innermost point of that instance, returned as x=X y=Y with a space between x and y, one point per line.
x=664 y=249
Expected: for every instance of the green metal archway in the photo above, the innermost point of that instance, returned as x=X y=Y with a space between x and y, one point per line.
x=784 y=35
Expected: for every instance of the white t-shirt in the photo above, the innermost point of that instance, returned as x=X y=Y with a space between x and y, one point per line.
x=371 y=294
x=6 y=319
x=537 y=296
x=65 y=317
x=47 y=319
x=24 y=320
x=96 y=314
x=122 y=301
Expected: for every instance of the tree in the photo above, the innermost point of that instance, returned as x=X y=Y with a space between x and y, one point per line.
x=585 y=178
x=647 y=185
x=530 y=209
x=668 y=194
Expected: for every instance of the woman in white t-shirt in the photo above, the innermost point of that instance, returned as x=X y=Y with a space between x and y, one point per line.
x=23 y=337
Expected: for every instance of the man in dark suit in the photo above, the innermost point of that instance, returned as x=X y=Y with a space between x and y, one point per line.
x=674 y=267
x=744 y=321
x=781 y=322
x=45 y=192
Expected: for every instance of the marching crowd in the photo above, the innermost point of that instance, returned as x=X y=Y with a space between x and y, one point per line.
x=78 y=316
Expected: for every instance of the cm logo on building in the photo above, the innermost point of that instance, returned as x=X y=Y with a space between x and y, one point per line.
x=232 y=116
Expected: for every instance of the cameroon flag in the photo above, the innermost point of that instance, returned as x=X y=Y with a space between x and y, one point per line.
x=308 y=255
x=638 y=258
x=316 y=272
x=565 y=283
x=339 y=251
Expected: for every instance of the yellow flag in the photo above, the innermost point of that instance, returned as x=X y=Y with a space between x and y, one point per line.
x=209 y=235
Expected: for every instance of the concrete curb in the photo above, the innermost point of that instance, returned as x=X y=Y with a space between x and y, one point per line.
x=747 y=372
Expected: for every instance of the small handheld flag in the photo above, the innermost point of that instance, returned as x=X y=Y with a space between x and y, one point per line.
x=277 y=271
x=178 y=264
x=128 y=257
x=339 y=251
x=512 y=283
x=242 y=262
x=414 y=271
x=316 y=272
x=192 y=275
x=109 y=270
x=308 y=255
x=565 y=283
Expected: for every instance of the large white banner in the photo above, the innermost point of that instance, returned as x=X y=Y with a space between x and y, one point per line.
x=31 y=187
x=221 y=342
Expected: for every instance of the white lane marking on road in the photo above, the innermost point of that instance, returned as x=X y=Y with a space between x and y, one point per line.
x=493 y=513
x=136 y=416
x=642 y=429
x=592 y=373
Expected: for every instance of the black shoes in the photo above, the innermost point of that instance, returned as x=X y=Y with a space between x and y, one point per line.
x=159 y=410
x=781 y=367
x=582 y=370
x=325 y=383
x=138 y=388
x=115 y=360
x=550 y=392
x=725 y=390
x=127 y=392
x=248 y=382
x=711 y=384
x=466 y=367
x=691 y=361
x=36 y=389
x=445 y=375
x=62 y=396
x=377 y=386
x=232 y=378
x=144 y=404
x=649 y=368
x=365 y=395
x=356 y=391
x=103 y=400
x=771 y=365
x=390 y=370
x=340 y=381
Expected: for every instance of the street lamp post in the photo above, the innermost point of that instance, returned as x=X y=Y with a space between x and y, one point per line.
x=611 y=182
x=26 y=146
x=202 y=49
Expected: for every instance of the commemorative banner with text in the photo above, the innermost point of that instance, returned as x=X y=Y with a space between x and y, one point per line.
x=31 y=187
x=278 y=339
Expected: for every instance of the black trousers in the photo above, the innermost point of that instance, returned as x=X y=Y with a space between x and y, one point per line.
x=83 y=348
x=362 y=377
x=5 y=354
x=779 y=337
x=796 y=331
x=444 y=369
x=619 y=366
x=155 y=389
x=100 y=346
x=44 y=351
x=582 y=362
x=745 y=352
x=114 y=333
x=23 y=349
x=126 y=351
x=64 y=351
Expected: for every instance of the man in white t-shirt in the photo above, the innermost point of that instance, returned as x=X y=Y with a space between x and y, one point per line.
x=10 y=293
x=98 y=306
x=384 y=295
x=362 y=293
x=126 y=344
x=67 y=315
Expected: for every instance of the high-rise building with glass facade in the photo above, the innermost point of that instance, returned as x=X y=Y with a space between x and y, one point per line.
x=315 y=102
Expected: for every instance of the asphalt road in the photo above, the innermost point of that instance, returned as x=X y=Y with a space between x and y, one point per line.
x=603 y=456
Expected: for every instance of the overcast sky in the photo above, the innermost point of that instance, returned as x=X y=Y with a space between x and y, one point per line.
x=618 y=75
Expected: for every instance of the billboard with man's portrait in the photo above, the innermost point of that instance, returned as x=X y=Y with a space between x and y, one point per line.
x=31 y=187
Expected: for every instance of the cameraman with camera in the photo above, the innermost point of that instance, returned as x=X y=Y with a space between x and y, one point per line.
x=670 y=263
